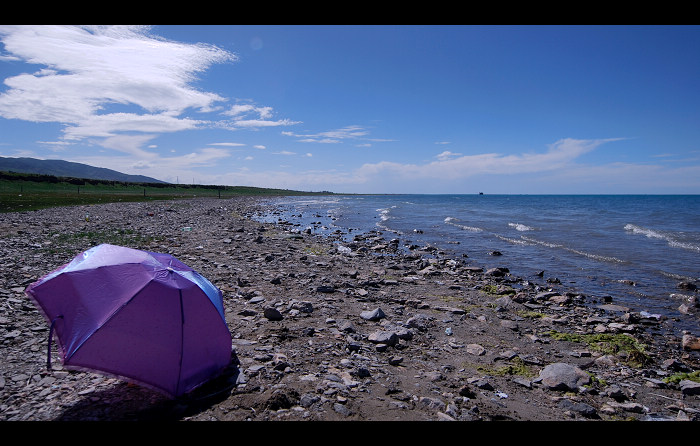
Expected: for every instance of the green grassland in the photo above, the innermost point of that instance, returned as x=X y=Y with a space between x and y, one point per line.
x=26 y=192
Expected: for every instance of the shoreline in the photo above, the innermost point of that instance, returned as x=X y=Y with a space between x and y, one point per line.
x=451 y=342
x=652 y=290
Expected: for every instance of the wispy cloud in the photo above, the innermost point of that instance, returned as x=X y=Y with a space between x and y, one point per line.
x=332 y=136
x=447 y=155
x=226 y=144
x=251 y=116
x=149 y=163
x=452 y=166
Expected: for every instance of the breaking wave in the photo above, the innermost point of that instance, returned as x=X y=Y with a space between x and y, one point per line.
x=453 y=221
x=384 y=217
x=575 y=251
x=668 y=237
x=521 y=227
x=384 y=213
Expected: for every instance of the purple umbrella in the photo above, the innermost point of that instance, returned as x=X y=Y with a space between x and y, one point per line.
x=142 y=316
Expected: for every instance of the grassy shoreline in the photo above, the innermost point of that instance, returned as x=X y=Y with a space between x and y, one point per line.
x=26 y=192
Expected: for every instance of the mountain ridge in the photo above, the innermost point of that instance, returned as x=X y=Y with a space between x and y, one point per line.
x=62 y=168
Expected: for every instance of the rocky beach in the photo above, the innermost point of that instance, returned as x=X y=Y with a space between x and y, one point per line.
x=363 y=331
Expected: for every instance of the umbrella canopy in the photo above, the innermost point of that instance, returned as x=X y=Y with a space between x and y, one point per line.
x=139 y=315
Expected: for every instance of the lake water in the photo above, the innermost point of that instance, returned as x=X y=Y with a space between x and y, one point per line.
x=593 y=244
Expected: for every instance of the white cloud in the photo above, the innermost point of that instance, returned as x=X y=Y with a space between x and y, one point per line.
x=255 y=123
x=205 y=156
x=55 y=146
x=115 y=123
x=143 y=165
x=244 y=109
x=630 y=178
x=252 y=116
x=226 y=144
x=154 y=165
x=559 y=154
x=130 y=145
x=331 y=136
x=305 y=180
x=93 y=67
x=446 y=155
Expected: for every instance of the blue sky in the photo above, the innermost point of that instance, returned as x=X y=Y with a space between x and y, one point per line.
x=363 y=109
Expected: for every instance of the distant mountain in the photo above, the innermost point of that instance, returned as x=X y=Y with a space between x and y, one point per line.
x=60 y=168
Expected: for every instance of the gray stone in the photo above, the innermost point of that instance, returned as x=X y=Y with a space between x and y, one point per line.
x=373 y=315
x=583 y=409
x=342 y=409
x=420 y=322
x=395 y=360
x=689 y=387
x=308 y=399
x=431 y=403
x=302 y=306
x=562 y=376
x=383 y=337
x=475 y=349
x=511 y=325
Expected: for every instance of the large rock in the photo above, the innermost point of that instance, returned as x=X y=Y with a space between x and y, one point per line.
x=562 y=376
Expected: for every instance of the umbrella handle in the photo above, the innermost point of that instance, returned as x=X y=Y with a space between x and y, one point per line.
x=48 y=352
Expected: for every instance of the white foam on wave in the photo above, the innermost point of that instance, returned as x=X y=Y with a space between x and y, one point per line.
x=668 y=237
x=384 y=217
x=312 y=201
x=384 y=214
x=452 y=221
x=689 y=246
x=575 y=251
x=678 y=276
x=521 y=227
x=643 y=231
x=512 y=240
